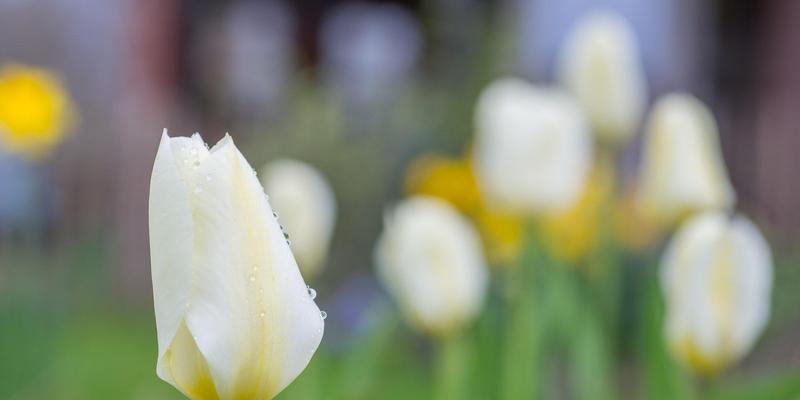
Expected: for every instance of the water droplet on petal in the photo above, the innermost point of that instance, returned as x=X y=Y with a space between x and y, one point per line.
x=263 y=314
x=274 y=214
x=252 y=278
x=208 y=177
x=311 y=292
x=323 y=315
x=198 y=189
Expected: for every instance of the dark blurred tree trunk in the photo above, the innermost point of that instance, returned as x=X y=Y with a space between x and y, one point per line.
x=777 y=118
x=146 y=106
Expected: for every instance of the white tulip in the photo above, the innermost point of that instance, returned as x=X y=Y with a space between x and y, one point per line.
x=430 y=259
x=683 y=170
x=234 y=317
x=600 y=63
x=306 y=207
x=533 y=149
x=716 y=276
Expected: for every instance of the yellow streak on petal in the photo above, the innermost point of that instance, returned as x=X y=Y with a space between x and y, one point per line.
x=264 y=359
x=704 y=364
x=188 y=367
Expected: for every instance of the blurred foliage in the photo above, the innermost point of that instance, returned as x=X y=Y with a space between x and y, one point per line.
x=64 y=334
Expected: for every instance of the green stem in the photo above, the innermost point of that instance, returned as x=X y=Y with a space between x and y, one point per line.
x=452 y=363
x=524 y=330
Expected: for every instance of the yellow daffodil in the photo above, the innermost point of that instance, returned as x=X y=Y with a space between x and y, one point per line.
x=305 y=204
x=716 y=276
x=235 y=319
x=429 y=258
x=572 y=234
x=35 y=110
x=633 y=229
x=445 y=178
x=453 y=180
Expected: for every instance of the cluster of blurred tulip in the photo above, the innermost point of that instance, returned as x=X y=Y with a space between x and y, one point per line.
x=531 y=226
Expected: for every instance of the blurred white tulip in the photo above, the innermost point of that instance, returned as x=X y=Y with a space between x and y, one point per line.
x=683 y=170
x=533 y=149
x=716 y=276
x=430 y=259
x=601 y=65
x=234 y=317
x=306 y=208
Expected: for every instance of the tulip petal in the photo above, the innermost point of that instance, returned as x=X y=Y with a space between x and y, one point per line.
x=429 y=258
x=716 y=276
x=231 y=275
x=171 y=259
x=532 y=148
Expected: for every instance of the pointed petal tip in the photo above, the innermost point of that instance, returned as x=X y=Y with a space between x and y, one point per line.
x=223 y=143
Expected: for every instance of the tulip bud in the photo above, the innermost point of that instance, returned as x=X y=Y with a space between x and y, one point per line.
x=429 y=258
x=716 y=276
x=533 y=150
x=600 y=63
x=234 y=317
x=683 y=170
x=306 y=207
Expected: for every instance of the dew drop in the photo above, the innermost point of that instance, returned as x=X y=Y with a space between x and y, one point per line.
x=311 y=292
x=262 y=314
x=198 y=189
x=208 y=177
x=274 y=214
x=252 y=278
x=323 y=315
x=255 y=267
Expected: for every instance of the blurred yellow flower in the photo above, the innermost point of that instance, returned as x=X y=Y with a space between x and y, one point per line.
x=633 y=229
x=453 y=180
x=35 y=110
x=572 y=234
x=446 y=178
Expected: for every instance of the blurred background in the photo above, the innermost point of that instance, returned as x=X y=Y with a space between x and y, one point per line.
x=361 y=90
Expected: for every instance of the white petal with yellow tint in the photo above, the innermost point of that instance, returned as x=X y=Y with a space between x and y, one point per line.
x=430 y=260
x=716 y=277
x=233 y=314
x=683 y=170
x=532 y=148
x=306 y=207
x=600 y=63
